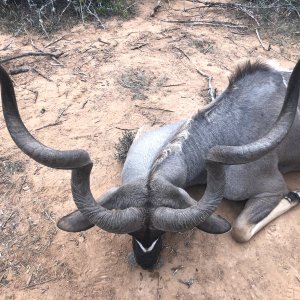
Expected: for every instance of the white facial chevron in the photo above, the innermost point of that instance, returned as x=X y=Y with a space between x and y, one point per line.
x=145 y=250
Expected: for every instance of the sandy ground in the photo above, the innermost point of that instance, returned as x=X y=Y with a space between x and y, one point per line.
x=136 y=72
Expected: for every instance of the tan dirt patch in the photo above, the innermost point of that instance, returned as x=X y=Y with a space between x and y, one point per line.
x=92 y=100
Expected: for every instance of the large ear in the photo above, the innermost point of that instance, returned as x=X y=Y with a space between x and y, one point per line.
x=76 y=221
x=215 y=224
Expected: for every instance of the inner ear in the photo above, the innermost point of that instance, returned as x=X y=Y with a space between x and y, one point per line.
x=215 y=224
x=74 y=222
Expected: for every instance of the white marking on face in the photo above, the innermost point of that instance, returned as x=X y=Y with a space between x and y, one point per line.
x=145 y=250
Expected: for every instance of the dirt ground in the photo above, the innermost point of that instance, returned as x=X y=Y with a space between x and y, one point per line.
x=137 y=72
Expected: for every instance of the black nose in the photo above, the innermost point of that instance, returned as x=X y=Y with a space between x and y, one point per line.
x=147 y=259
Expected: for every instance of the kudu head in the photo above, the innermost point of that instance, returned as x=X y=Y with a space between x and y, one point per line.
x=146 y=210
x=142 y=198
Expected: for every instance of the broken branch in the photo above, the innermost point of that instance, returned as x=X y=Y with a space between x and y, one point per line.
x=2 y=226
x=139 y=46
x=260 y=41
x=55 y=41
x=56 y=55
x=240 y=7
x=41 y=74
x=49 y=125
x=211 y=90
x=16 y=71
x=153 y=108
x=208 y=23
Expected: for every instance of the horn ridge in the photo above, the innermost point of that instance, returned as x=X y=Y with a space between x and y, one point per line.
x=120 y=221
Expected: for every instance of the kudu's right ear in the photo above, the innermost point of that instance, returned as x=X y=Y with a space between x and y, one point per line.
x=215 y=224
x=76 y=221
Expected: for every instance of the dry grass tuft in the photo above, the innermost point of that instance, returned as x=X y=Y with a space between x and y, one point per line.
x=282 y=16
x=122 y=147
x=47 y=16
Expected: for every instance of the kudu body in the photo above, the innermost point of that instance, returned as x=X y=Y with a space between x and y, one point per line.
x=239 y=146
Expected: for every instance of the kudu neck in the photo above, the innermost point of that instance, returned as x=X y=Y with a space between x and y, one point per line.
x=186 y=165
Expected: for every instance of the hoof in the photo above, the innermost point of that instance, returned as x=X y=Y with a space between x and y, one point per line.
x=294 y=196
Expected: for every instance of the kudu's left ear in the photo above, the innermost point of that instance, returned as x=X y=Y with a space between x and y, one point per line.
x=76 y=221
x=215 y=224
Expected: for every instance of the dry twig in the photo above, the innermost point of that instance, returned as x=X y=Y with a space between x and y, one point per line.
x=211 y=90
x=57 y=121
x=208 y=23
x=103 y=42
x=36 y=94
x=41 y=74
x=240 y=7
x=5 y=47
x=61 y=113
x=188 y=283
x=22 y=183
x=19 y=70
x=39 y=283
x=156 y=8
x=176 y=269
x=139 y=46
x=49 y=125
x=84 y=104
x=153 y=108
x=2 y=226
x=56 y=55
x=58 y=62
x=1 y=278
x=174 y=84
x=126 y=129
x=260 y=41
x=55 y=41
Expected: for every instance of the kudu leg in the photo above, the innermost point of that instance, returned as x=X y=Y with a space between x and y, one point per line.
x=260 y=211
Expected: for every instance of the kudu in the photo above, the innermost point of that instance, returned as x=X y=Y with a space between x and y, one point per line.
x=239 y=145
